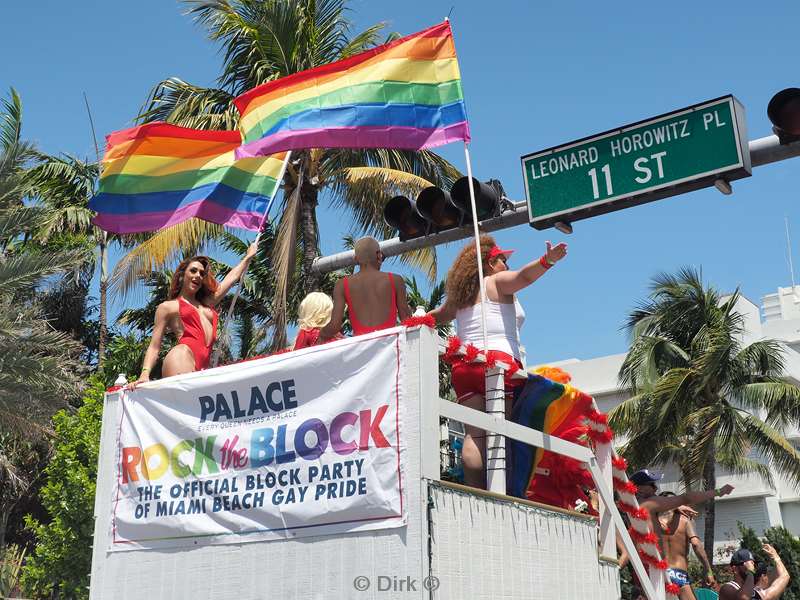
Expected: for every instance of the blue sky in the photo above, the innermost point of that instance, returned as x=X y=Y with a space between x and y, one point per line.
x=535 y=75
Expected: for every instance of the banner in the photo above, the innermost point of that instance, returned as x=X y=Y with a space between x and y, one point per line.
x=299 y=444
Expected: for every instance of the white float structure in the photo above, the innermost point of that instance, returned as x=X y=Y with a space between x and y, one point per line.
x=459 y=543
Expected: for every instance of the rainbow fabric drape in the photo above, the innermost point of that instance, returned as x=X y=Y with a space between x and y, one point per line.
x=157 y=175
x=560 y=410
x=405 y=94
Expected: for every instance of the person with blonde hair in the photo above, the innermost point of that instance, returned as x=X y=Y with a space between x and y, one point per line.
x=314 y=313
x=504 y=317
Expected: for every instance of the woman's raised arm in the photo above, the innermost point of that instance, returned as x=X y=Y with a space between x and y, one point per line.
x=234 y=275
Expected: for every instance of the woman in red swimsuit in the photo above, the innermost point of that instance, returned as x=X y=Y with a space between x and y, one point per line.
x=190 y=315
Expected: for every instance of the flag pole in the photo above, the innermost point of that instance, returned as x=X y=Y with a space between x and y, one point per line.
x=495 y=382
x=278 y=181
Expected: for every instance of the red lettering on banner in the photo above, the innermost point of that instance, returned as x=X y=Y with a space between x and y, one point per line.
x=131 y=457
x=373 y=429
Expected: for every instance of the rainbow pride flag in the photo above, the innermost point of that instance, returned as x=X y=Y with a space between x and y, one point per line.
x=405 y=94
x=560 y=410
x=158 y=175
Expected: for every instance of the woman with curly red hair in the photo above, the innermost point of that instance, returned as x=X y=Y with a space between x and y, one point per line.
x=190 y=315
x=504 y=317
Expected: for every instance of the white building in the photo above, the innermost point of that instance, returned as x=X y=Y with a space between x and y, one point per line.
x=753 y=502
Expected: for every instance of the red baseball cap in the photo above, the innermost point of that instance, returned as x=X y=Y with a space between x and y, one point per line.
x=497 y=251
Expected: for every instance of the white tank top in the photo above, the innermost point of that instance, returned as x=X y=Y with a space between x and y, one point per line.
x=503 y=322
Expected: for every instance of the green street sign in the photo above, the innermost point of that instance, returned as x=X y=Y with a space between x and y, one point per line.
x=671 y=154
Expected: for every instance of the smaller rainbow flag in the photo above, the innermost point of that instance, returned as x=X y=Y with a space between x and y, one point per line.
x=557 y=409
x=157 y=175
x=405 y=94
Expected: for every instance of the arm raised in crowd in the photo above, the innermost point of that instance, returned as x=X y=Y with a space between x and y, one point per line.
x=510 y=282
x=777 y=587
x=661 y=504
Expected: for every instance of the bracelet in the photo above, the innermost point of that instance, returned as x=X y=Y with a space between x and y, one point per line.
x=146 y=369
x=544 y=262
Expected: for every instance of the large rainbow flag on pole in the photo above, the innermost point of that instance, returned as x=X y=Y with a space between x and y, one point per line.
x=405 y=94
x=158 y=175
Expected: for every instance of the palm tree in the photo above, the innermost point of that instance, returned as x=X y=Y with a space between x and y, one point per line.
x=262 y=40
x=38 y=367
x=700 y=396
x=64 y=185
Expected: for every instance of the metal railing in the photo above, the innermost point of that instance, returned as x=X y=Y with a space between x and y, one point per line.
x=494 y=423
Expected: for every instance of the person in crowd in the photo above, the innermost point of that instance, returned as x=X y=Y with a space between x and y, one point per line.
x=191 y=315
x=374 y=300
x=647 y=483
x=504 y=317
x=678 y=534
x=312 y=315
x=745 y=586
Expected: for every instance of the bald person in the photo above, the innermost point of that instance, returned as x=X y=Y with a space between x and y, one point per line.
x=375 y=300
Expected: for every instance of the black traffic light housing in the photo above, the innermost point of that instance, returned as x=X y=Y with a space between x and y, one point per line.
x=436 y=210
x=401 y=213
x=784 y=112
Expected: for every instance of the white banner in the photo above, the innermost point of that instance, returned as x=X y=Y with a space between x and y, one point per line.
x=299 y=444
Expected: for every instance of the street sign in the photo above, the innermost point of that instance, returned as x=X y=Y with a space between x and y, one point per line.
x=671 y=154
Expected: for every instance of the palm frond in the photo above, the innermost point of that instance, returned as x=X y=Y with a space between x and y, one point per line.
x=10 y=121
x=773 y=447
x=20 y=272
x=176 y=101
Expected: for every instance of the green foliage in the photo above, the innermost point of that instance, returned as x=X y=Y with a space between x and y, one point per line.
x=38 y=367
x=61 y=561
x=788 y=547
x=699 y=396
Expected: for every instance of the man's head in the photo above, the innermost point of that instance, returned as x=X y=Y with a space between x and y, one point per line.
x=646 y=480
x=743 y=562
x=761 y=577
x=368 y=252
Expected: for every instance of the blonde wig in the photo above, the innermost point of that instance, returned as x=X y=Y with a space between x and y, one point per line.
x=315 y=311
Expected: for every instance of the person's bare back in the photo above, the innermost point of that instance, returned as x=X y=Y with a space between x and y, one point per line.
x=375 y=300
x=372 y=297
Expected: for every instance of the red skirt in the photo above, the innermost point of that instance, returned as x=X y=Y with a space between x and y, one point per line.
x=469 y=378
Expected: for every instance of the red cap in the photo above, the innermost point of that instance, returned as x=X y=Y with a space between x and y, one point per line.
x=497 y=251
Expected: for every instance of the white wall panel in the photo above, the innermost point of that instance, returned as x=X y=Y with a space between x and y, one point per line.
x=487 y=548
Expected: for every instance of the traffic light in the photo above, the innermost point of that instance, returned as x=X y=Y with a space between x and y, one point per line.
x=436 y=210
x=401 y=213
x=784 y=112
